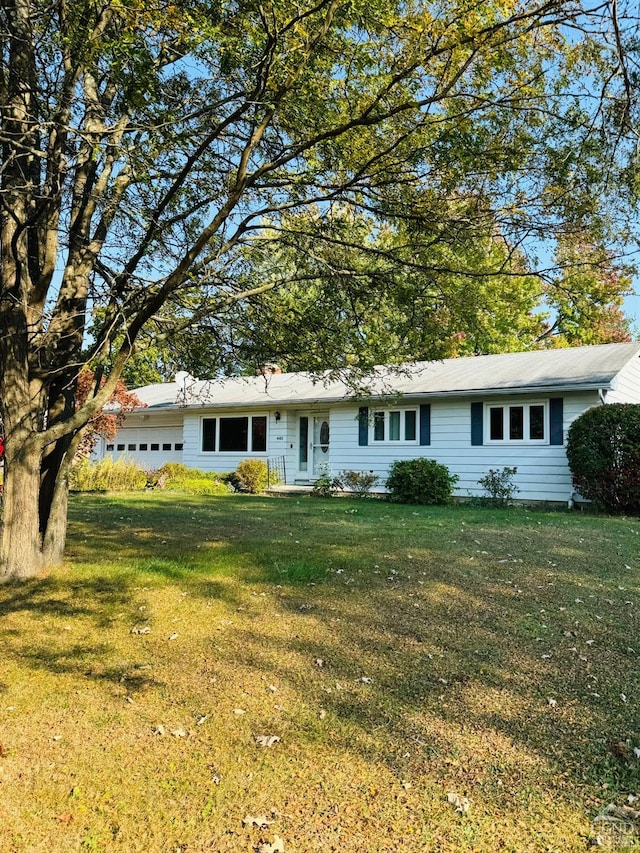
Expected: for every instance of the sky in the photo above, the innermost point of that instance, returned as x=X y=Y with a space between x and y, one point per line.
x=632 y=311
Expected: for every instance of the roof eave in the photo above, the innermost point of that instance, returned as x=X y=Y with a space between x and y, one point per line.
x=274 y=403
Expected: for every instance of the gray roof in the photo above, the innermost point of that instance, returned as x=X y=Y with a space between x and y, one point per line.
x=578 y=368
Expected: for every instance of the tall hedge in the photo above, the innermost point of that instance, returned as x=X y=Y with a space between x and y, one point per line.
x=603 y=449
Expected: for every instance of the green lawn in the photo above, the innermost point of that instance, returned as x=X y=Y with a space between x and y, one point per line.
x=400 y=655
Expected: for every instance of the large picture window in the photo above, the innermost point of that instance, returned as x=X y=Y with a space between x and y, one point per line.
x=526 y=422
x=395 y=425
x=235 y=435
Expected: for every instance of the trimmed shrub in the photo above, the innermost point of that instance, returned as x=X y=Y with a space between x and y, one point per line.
x=252 y=476
x=420 y=481
x=123 y=475
x=603 y=450
x=358 y=482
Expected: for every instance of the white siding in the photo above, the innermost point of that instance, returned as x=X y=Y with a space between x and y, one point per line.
x=626 y=385
x=543 y=473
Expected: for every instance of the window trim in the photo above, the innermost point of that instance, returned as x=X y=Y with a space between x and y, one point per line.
x=526 y=406
x=250 y=435
x=386 y=421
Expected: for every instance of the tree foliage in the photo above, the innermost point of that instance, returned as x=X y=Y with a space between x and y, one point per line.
x=150 y=154
x=107 y=421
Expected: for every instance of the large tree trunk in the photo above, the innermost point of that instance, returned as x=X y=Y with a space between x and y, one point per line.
x=34 y=518
x=21 y=554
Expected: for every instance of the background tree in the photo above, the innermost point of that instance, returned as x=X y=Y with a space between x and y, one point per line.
x=587 y=295
x=145 y=150
x=107 y=422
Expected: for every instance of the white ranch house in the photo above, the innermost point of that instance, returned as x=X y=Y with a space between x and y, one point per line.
x=471 y=414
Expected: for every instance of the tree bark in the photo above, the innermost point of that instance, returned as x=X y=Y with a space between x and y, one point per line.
x=34 y=519
x=21 y=554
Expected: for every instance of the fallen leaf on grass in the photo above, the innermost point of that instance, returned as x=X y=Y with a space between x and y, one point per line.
x=620 y=749
x=178 y=732
x=262 y=822
x=173 y=636
x=3 y=751
x=461 y=803
x=65 y=818
x=276 y=847
x=141 y=629
x=157 y=730
x=365 y=680
x=266 y=740
x=319 y=662
x=239 y=712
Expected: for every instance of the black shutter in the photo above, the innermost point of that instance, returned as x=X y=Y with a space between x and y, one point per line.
x=477 y=413
x=556 y=417
x=363 y=426
x=425 y=423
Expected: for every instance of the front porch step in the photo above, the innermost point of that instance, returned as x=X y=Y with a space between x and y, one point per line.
x=295 y=489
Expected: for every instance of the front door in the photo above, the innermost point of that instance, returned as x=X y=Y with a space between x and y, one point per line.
x=320 y=444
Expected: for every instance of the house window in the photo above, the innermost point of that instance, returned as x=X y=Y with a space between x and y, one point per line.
x=208 y=434
x=259 y=434
x=378 y=426
x=410 y=418
x=155 y=447
x=121 y=447
x=522 y=423
x=110 y=448
x=235 y=435
x=395 y=425
x=166 y=445
x=178 y=445
x=131 y=447
x=303 y=443
x=143 y=447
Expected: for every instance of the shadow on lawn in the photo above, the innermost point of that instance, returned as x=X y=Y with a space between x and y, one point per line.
x=489 y=643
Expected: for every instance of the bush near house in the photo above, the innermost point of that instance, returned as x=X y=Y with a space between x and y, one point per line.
x=358 y=482
x=420 y=481
x=603 y=450
x=252 y=475
x=123 y=475
x=499 y=487
x=176 y=477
